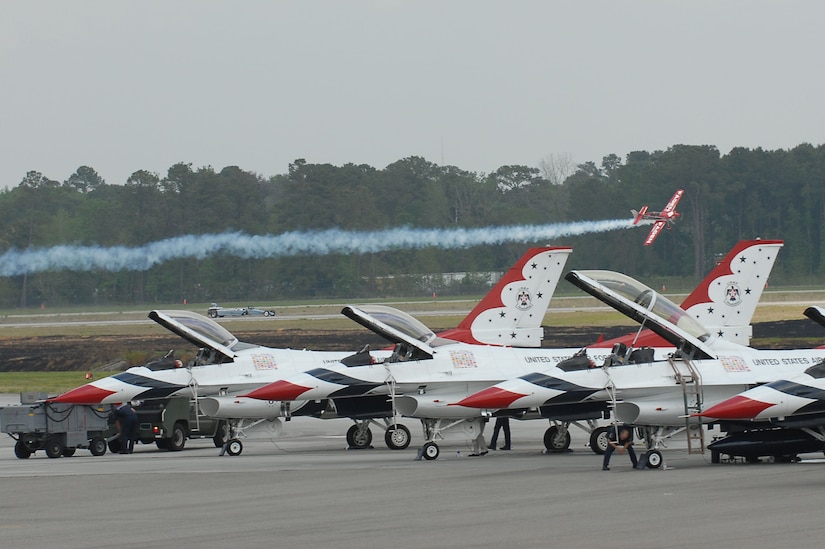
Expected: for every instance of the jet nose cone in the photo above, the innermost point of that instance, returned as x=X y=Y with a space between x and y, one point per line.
x=86 y=394
x=491 y=398
x=278 y=390
x=738 y=407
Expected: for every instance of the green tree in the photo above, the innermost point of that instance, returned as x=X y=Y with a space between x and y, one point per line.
x=84 y=180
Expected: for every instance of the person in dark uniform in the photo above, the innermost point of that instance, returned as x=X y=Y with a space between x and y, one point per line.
x=127 y=417
x=619 y=439
x=502 y=424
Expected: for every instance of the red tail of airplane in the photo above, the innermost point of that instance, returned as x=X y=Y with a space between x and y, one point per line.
x=513 y=310
x=639 y=215
x=726 y=300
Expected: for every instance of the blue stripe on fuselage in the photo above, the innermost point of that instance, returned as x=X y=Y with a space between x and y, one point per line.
x=155 y=388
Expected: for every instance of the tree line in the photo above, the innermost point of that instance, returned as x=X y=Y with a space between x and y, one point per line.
x=746 y=193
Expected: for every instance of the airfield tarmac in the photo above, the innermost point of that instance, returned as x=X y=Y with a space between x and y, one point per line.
x=305 y=489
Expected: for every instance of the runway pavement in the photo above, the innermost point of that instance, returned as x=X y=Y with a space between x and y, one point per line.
x=306 y=490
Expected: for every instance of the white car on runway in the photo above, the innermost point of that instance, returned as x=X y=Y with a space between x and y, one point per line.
x=216 y=311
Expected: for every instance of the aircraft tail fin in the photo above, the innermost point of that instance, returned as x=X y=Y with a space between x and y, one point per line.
x=638 y=215
x=725 y=301
x=512 y=312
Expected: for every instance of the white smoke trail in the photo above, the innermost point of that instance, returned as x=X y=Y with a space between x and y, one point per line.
x=120 y=258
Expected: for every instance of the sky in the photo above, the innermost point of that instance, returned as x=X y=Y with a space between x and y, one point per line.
x=478 y=84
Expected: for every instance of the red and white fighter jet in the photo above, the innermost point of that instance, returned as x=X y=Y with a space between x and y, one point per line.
x=780 y=419
x=801 y=395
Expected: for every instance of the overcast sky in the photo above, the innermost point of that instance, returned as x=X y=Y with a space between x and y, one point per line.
x=124 y=86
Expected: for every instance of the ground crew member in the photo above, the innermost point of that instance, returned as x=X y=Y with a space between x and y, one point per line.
x=619 y=439
x=502 y=423
x=128 y=420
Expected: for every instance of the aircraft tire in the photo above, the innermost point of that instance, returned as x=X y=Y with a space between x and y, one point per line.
x=554 y=442
x=598 y=440
x=358 y=439
x=397 y=437
x=430 y=451
x=654 y=459
x=97 y=446
x=234 y=447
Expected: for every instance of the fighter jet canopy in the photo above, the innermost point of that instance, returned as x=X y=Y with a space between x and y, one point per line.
x=646 y=306
x=376 y=317
x=197 y=329
x=395 y=326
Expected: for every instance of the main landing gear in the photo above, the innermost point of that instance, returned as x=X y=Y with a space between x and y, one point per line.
x=557 y=436
x=598 y=440
x=396 y=435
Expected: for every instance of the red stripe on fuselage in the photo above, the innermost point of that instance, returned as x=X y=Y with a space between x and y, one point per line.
x=738 y=407
x=492 y=398
x=278 y=390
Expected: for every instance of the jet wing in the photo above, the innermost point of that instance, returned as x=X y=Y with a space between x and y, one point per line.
x=677 y=196
x=654 y=232
x=393 y=325
x=642 y=304
x=197 y=330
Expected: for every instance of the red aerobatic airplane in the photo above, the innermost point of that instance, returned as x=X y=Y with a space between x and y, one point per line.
x=665 y=217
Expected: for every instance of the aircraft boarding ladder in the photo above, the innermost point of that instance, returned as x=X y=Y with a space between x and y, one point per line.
x=688 y=377
x=193 y=387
